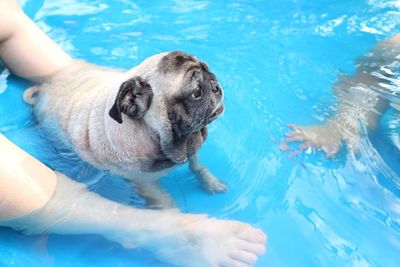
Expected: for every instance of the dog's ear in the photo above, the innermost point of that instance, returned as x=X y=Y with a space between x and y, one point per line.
x=133 y=99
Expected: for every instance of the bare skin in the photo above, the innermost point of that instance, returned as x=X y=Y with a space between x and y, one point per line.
x=35 y=199
x=362 y=103
x=16 y=170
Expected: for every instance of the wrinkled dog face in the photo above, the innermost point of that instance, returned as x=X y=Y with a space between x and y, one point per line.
x=177 y=96
x=198 y=101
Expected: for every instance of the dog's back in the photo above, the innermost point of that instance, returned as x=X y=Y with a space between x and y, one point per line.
x=65 y=102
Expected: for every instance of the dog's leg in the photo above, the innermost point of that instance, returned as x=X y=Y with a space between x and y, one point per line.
x=208 y=181
x=156 y=197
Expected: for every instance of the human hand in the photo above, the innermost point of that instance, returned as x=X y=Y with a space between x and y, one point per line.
x=326 y=137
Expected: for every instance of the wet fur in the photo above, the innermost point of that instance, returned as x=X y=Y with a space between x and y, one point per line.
x=76 y=103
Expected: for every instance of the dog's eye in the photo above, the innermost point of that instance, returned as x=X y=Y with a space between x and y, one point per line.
x=197 y=94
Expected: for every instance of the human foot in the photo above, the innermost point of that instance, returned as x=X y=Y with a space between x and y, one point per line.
x=195 y=240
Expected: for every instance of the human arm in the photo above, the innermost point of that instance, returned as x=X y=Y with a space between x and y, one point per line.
x=25 y=183
x=34 y=197
x=361 y=102
x=24 y=48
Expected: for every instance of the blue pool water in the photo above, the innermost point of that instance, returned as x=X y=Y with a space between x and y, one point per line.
x=276 y=61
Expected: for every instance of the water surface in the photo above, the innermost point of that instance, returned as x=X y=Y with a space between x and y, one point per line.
x=276 y=61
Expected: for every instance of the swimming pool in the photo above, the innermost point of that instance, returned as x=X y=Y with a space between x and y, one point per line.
x=276 y=61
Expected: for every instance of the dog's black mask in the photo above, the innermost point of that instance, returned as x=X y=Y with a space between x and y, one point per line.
x=198 y=104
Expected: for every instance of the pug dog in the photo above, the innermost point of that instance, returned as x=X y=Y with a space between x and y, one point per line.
x=138 y=124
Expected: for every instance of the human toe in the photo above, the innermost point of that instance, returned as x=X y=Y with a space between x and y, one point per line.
x=252 y=235
x=233 y=263
x=256 y=248
x=244 y=257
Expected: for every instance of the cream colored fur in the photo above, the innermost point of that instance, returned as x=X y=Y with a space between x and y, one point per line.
x=74 y=103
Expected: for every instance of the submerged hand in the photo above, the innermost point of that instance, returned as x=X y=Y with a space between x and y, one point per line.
x=326 y=137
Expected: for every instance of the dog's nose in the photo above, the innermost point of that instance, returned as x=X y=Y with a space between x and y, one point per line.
x=216 y=89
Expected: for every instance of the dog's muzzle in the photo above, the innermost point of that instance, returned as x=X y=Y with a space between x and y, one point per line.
x=217 y=112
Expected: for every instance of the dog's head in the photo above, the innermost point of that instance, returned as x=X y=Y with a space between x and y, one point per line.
x=177 y=96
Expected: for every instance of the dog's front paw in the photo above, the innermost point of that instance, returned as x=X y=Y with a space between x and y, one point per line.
x=154 y=195
x=210 y=183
